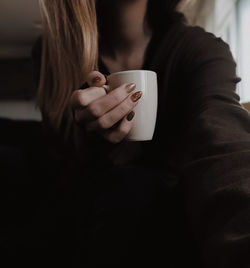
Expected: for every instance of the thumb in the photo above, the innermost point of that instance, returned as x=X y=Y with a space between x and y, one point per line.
x=96 y=79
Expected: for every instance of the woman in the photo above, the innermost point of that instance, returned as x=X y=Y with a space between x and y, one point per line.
x=182 y=197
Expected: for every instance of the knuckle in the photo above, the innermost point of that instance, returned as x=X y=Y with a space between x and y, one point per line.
x=81 y=98
x=111 y=117
x=96 y=89
x=83 y=101
x=100 y=92
x=103 y=123
x=93 y=110
x=123 y=130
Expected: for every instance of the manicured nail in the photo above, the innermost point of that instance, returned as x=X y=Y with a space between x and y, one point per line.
x=96 y=79
x=130 y=116
x=136 y=96
x=130 y=87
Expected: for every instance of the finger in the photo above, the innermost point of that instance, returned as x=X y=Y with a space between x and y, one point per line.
x=117 y=135
x=82 y=98
x=96 y=79
x=109 y=119
x=103 y=105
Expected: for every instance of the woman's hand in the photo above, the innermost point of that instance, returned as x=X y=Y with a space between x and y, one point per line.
x=108 y=115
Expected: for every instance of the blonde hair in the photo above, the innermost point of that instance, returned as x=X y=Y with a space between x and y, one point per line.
x=69 y=53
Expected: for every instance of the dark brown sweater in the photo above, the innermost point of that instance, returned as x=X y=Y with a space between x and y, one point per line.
x=202 y=138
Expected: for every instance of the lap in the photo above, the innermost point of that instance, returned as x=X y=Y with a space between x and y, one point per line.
x=120 y=211
x=132 y=214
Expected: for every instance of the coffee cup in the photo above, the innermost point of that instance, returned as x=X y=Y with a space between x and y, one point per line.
x=146 y=109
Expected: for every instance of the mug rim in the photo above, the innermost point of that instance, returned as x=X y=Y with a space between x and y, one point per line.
x=130 y=71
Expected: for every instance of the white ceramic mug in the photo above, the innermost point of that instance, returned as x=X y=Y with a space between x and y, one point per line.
x=146 y=109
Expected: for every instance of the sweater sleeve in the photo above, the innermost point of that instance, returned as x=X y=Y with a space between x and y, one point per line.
x=213 y=154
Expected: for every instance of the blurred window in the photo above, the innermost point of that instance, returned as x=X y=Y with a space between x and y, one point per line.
x=243 y=48
x=237 y=35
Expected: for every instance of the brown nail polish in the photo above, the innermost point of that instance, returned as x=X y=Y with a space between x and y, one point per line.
x=130 y=87
x=136 y=96
x=96 y=79
x=130 y=116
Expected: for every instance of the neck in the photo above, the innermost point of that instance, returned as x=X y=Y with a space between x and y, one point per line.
x=124 y=27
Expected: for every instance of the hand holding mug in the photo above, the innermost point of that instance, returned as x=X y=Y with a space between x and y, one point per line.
x=109 y=115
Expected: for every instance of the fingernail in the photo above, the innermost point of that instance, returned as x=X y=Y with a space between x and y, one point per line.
x=136 y=96
x=130 y=116
x=130 y=87
x=96 y=79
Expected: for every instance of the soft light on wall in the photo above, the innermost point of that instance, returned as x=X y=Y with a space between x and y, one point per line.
x=244 y=48
x=18 y=20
